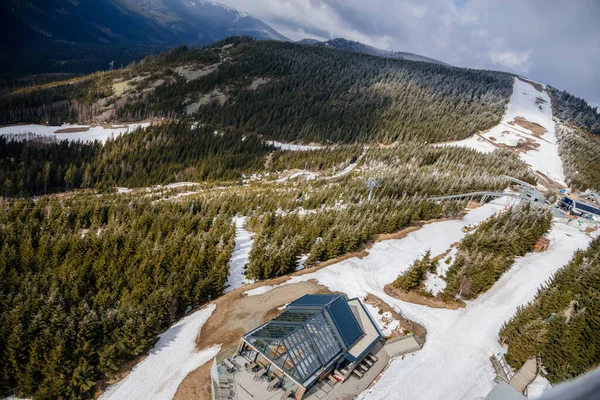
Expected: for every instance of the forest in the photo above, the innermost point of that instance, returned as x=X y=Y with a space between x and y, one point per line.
x=89 y=278
x=561 y=324
x=574 y=110
x=491 y=250
x=88 y=282
x=178 y=152
x=159 y=154
x=313 y=94
x=580 y=152
x=282 y=239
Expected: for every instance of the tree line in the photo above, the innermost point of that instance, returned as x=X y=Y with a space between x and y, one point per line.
x=574 y=110
x=561 y=324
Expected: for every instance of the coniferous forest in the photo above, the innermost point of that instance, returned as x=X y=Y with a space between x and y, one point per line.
x=282 y=239
x=159 y=154
x=90 y=279
x=309 y=93
x=491 y=250
x=580 y=152
x=88 y=284
x=561 y=325
x=575 y=111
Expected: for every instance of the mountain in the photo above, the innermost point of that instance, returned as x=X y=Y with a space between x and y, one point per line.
x=84 y=35
x=282 y=90
x=357 y=47
x=202 y=22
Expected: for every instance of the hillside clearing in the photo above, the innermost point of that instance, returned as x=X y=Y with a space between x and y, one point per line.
x=528 y=128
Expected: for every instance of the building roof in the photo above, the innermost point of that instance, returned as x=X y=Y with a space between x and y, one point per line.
x=372 y=332
x=308 y=335
x=338 y=311
x=503 y=391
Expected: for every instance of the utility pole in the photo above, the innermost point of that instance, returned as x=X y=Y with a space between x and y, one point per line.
x=371 y=184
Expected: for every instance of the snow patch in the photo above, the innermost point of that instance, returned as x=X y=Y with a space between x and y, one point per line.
x=301 y=261
x=192 y=72
x=434 y=283
x=385 y=320
x=539 y=386
x=239 y=258
x=294 y=147
x=87 y=134
x=259 y=290
x=303 y=174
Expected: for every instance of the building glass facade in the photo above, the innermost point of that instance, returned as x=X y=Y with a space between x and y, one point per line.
x=300 y=341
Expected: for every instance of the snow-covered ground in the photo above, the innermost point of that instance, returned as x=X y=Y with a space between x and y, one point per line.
x=294 y=147
x=454 y=363
x=435 y=283
x=534 y=106
x=538 y=387
x=93 y=133
x=385 y=320
x=349 y=168
x=259 y=290
x=172 y=358
x=307 y=175
x=239 y=258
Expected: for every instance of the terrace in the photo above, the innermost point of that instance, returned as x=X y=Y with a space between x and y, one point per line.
x=242 y=383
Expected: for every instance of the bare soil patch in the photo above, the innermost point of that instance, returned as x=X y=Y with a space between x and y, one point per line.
x=536 y=85
x=548 y=182
x=73 y=130
x=537 y=129
x=523 y=146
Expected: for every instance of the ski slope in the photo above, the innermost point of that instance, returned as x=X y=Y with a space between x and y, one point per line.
x=168 y=363
x=454 y=363
x=239 y=258
x=539 y=151
x=87 y=134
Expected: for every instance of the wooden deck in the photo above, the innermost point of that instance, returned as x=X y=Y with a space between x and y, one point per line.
x=525 y=375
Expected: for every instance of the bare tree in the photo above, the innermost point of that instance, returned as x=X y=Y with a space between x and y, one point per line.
x=464 y=288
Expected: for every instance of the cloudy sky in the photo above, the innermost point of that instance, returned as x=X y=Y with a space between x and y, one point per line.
x=551 y=41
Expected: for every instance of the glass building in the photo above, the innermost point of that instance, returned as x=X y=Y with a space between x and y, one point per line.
x=312 y=337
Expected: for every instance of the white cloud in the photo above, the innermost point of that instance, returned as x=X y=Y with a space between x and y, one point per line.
x=511 y=59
